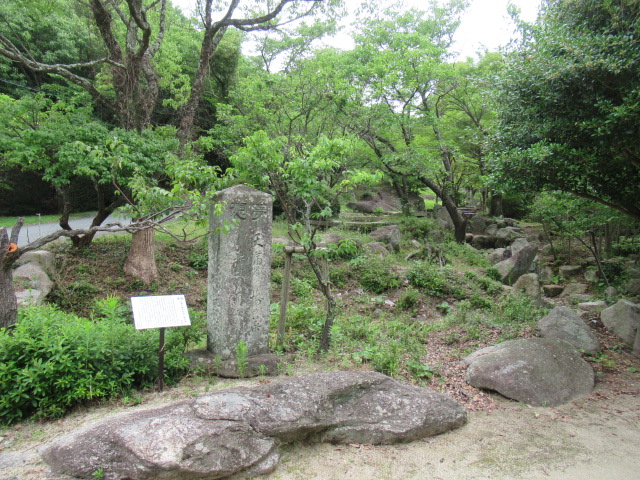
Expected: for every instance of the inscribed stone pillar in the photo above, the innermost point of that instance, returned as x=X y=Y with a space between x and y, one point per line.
x=239 y=273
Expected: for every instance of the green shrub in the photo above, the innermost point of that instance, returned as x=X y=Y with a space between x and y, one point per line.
x=464 y=253
x=436 y=281
x=199 y=256
x=409 y=299
x=345 y=250
x=417 y=227
x=53 y=361
x=516 y=311
x=493 y=274
x=376 y=274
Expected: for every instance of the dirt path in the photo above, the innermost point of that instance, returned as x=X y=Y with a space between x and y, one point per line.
x=595 y=437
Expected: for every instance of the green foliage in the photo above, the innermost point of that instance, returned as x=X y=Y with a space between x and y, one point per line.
x=52 y=361
x=569 y=104
x=417 y=228
x=409 y=299
x=242 y=358
x=515 y=311
x=199 y=256
x=347 y=249
x=377 y=274
x=434 y=280
x=464 y=253
x=493 y=274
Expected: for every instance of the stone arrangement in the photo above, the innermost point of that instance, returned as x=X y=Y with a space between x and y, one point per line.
x=238 y=430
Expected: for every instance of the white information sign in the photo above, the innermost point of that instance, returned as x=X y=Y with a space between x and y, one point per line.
x=160 y=311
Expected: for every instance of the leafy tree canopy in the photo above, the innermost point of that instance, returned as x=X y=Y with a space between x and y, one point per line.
x=570 y=104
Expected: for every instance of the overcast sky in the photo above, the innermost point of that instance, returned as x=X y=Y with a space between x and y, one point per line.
x=484 y=24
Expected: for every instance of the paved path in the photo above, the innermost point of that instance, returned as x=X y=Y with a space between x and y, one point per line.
x=29 y=233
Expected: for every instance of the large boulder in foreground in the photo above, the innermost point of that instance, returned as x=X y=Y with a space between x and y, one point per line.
x=535 y=371
x=238 y=429
x=564 y=323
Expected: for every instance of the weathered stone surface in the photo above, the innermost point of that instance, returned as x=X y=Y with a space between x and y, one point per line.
x=564 y=323
x=610 y=292
x=545 y=273
x=331 y=239
x=623 y=319
x=376 y=248
x=44 y=258
x=492 y=230
x=483 y=242
x=596 y=306
x=498 y=255
x=552 y=290
x=633 y=286
x=31 y=283
x=281 y=241
x=529 y=285
x=591 y=275
x=517 y=245
x=478 y=224
x=513 y=268
x=239 y=273
x=568 y=271
x=266 y=364
x=536 y=371
x=505 y=236
x=389 y=235
x=442 y=217
x=573 y=289
x=238 y=429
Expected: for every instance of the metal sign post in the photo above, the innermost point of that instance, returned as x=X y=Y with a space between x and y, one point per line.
x=160 y=311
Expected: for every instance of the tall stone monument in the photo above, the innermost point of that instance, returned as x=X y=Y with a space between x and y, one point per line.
x=239 y=273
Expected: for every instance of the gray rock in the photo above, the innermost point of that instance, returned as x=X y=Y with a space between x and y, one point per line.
x=491 y=230
x=552 y=290
x=545 y=274
x=239 y=272
x=266 y=364
x=31 y=283
x=591 y=275
x=505 y=236
x=610 y=292
x=442 y=217
x=568 y=271
x=478 y=224
x=331 y=239
x=389 y=235
x=513 y=268
x=44 y=258
x=517 y=245
x=547 y=250
x=564 y=323
x=623 y=319
x=376 y=248
x=497 y=255
x=528 y=285
x=597 y=306
x=573 y=289
x=536 y=371
x=238 y=429
x=483 y=242
x=633 y=286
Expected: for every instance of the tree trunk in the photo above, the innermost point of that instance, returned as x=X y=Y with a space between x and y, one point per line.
x=8 y=302
x=141 y=261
